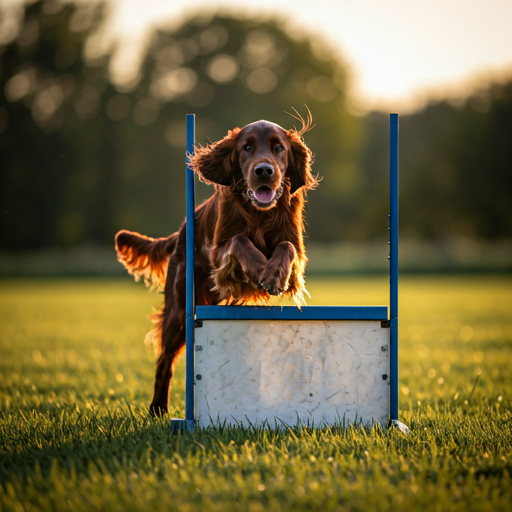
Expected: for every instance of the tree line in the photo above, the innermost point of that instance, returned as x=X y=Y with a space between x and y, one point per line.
x=82 y=157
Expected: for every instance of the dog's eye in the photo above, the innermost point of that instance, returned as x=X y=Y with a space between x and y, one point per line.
x=278 y=148
x=248 y=148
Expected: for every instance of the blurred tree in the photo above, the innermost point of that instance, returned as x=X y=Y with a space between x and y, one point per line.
x=48 y=92
x=231 y=72
x=455 y=166
x=103 y=158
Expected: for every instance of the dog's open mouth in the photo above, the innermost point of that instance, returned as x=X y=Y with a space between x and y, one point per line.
x=264 y=197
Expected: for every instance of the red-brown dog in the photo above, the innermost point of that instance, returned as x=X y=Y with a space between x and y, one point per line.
x=249 y=234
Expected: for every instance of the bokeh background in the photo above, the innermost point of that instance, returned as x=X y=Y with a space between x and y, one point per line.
x=93 y=98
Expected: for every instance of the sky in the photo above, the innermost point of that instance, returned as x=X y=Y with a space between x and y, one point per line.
x=400 y=52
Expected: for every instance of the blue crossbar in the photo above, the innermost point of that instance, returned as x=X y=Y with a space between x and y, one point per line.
x=291 y=313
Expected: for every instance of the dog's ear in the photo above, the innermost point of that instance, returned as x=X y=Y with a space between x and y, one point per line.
x=299 y=165
x=217 y=163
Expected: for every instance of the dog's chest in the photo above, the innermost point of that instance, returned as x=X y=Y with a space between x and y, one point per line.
x=264 y=229
x=264 y=240
x=258 y=239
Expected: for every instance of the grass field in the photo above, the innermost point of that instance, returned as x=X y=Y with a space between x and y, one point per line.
x=76 y=378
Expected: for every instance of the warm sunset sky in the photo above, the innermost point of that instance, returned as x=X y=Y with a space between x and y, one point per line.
x=398 y=50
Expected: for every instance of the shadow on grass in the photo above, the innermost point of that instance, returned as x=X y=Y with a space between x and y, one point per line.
x=112 y=439
x=75 y=440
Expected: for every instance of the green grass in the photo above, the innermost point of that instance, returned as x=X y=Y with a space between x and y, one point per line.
x=76 y=378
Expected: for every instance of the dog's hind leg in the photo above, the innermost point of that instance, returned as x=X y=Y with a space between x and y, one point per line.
x=171 y=327
x=172 y=343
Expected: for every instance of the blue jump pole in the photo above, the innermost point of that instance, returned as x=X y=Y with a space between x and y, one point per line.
x=189 y=325
x=393 y=266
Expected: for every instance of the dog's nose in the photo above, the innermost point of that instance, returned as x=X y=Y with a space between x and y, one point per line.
x=263 y=170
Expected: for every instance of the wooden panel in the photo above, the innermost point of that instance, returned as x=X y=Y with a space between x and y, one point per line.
x=289 y=371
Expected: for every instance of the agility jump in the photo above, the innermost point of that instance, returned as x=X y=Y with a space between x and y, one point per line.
x=274 y=366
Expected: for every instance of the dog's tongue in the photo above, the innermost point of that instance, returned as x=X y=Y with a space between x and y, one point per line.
x=264 y=194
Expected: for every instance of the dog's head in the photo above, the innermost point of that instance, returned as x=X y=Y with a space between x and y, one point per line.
x=260 y=160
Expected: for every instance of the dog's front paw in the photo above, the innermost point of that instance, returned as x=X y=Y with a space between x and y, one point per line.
x=272 y=282
x=271 y=288
x=254 y=274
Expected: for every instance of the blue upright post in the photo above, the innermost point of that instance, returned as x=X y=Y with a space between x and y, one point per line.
x=393 y=265
x=393 y=272
x=189 y=325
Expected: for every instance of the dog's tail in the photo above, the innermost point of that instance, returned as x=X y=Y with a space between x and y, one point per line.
x=145 y=257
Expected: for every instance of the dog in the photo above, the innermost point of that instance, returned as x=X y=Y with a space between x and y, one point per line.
x=248 y=240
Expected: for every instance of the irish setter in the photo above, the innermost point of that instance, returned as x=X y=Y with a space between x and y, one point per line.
x=249 y=235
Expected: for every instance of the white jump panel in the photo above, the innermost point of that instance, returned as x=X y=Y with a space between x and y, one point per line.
x=312 y=371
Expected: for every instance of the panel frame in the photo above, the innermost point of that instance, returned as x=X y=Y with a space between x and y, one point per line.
x=288 y=372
